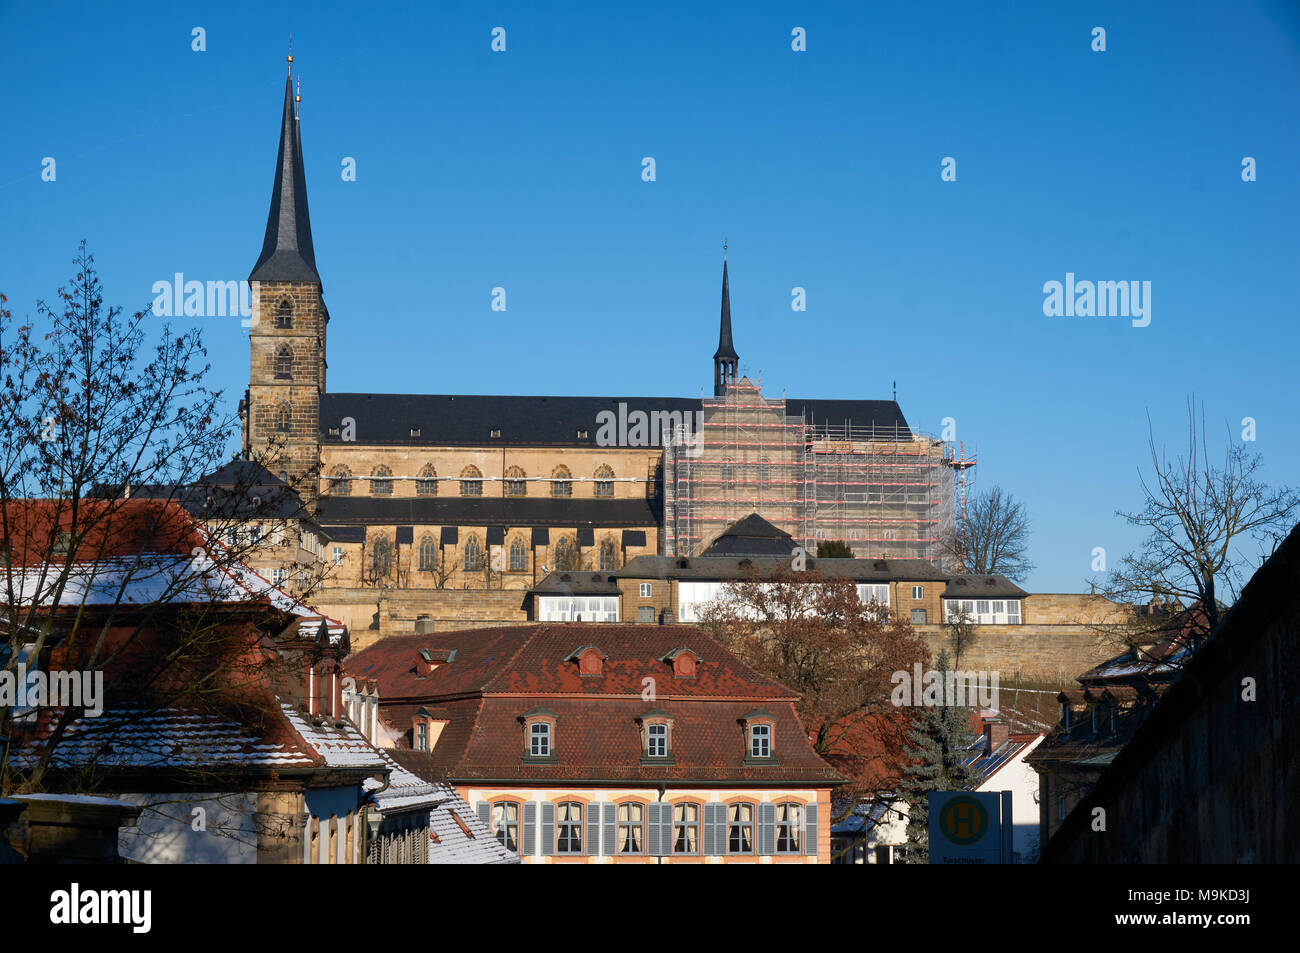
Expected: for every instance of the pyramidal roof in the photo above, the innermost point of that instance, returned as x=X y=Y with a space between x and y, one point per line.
x=287 y=252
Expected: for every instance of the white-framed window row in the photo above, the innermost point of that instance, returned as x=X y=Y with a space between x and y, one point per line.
x=983 y=611
x=874 y=592
x=577 y=608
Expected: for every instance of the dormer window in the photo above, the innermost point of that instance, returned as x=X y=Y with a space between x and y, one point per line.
x=539 y=736
x=591 y=660
x=760 y=731
x=656 y=737
x=684 y=662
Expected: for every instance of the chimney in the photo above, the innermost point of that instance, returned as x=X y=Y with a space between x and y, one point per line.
x=995 y=735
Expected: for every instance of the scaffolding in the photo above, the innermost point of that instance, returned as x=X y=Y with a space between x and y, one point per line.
x=887 y=492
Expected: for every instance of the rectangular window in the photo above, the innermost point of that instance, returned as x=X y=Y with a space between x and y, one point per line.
x=788 y=817
x=918 y=592
x=505 y=824
x=760 y=741
x=568 y=828
x=918 y=617
x=686 y=829
x=740 y=829
x=1013 y=612
x=421 y=737
x=631 y=828
x=657 y=741
x=874 y=592
x=540 y=740
x=278 y=576
x=338 y=555
x=645 y=590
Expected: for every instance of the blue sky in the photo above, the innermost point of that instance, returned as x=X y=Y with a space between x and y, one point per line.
x=522 y=169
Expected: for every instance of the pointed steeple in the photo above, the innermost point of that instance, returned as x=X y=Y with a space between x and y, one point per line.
x=287 y=253
x=725 y=357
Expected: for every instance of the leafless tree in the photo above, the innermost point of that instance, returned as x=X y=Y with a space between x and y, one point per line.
x=1198 y=517
x=993 y=537
x=96 y=419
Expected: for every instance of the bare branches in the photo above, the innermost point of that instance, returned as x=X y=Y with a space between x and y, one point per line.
x=1198 y=516
x=994 y=537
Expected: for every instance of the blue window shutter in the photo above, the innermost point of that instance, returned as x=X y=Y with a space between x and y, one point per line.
x=767 y=828
x=712 y=839
x=665 y=829
x=485 y=813
x=548 y=828
x=611 y=829
x=593 y=829
x=530 y=829
x=652 y=825
x=810 y=829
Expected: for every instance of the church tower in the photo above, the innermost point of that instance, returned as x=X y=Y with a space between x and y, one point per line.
x=725 y=357
x=286 y=375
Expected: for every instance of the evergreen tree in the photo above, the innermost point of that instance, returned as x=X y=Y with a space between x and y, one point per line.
x=940 y=738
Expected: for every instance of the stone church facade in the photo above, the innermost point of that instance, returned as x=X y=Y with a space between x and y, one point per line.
x=464 y=492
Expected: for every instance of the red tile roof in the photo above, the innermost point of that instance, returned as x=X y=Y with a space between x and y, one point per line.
x=499 y=674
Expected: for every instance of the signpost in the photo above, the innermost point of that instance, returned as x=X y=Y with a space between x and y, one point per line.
x=968 y=827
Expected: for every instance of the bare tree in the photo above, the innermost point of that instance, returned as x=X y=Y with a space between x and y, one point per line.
x=1198 y=516
x=993 y=537
x=960 y=629
x=96 y=420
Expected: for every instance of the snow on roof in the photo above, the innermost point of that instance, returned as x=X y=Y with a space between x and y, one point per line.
x=338 y=742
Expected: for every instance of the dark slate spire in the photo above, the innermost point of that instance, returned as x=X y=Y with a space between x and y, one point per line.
x=725 y=357
x=287 y=253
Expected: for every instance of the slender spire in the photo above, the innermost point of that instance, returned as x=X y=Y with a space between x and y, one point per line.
x=725 y=357
x=287 y=252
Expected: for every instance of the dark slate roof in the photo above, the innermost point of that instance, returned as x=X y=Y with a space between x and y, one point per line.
x=723 y=568
x=239 y=490
x=751 y=536
x=452 y=419
x=484 y=511
x=545 y=421
x=577 y=583
x=725 y=348
x=983 y=587
x=881 y=414
x=287 y=252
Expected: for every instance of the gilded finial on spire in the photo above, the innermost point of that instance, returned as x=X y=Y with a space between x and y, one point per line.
x=289 y=58
x=297 y=98
x=724 y=249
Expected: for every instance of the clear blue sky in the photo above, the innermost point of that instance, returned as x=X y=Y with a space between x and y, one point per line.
x=523 y=169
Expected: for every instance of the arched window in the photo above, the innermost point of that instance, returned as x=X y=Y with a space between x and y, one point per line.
x=473 y=555
x=567 y=555
x=426 y=484
x=284 y=314
x=471 y=482
x=284 y=363
x=604 y=481
x=516 y=484
x=381 y=481
x=282 y=414
x=381 y=557
x=608 y=556
x=428 y=553
x=518 y=555
x=341 y=481
x=561 y=482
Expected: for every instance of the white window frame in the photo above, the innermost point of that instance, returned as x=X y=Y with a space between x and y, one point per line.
x=656 y=741
x=338 y=555
x=647 y=590
x=763 y=733
x=918 y=592
x=539 y=740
